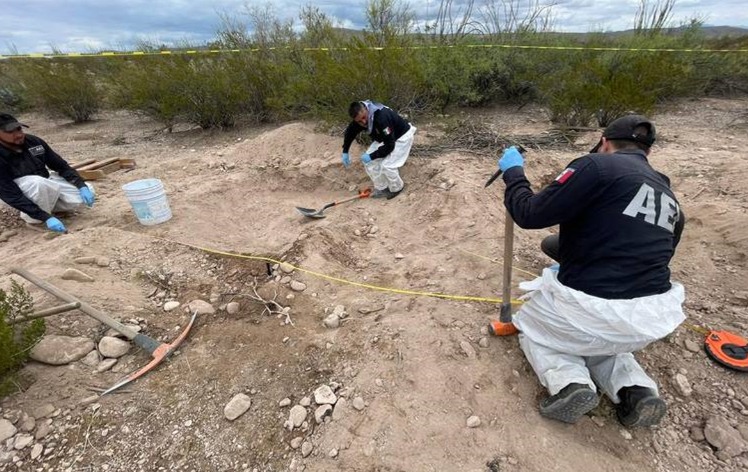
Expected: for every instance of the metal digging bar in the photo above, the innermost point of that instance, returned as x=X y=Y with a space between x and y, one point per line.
x=158 y=350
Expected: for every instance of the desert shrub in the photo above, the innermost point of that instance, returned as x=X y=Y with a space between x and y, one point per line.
x=68 y=88
x=16 y=340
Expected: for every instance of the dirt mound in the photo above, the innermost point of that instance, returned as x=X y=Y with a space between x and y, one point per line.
x=411 y=367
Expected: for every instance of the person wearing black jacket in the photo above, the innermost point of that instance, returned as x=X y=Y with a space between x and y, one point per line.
x=26 y=183
x=619 y=224
x=392 y=138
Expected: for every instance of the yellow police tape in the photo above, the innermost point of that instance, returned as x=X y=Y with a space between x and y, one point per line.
x=372 y=48
x=348 y=282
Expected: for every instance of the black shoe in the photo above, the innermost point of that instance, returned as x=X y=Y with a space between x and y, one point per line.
x=394 y=194
x=570 y=404
x=639 y=407
x=385 y=193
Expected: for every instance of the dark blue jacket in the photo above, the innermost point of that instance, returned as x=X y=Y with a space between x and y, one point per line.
x=33 y=159
x=619 y=222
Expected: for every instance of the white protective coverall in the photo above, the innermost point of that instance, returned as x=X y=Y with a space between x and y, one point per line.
x=53 y=194
x=571 y=337
x=384 y=172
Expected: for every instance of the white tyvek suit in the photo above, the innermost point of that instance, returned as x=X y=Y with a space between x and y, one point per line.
x=384 y=172
x=51 y=195
x=571 y=337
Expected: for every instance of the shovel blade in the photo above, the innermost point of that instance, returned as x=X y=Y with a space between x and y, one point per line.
x=310 y=213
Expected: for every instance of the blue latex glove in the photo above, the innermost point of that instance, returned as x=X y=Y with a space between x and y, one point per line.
x=555 y=267
x=346 y=159
x=87 y=196
x=55 y=225
x=511 y=158
x=365 y=158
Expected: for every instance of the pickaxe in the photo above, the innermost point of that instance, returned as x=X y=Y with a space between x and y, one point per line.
x=158 y=350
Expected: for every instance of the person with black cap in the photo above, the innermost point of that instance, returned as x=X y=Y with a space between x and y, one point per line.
x=392 y=138
x=26 y=183
x=619 y=224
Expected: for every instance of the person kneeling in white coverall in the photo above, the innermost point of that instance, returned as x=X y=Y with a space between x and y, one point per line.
x=611 y=294
x=392 y=138
x=26 y=183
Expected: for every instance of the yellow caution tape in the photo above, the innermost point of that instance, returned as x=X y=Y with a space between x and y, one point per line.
x=373 y=48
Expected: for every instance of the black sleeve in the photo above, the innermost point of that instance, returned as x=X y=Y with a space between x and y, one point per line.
x=560 y=201
x=12 y=195
x=384 y=120
x=350 y=134
x=678 y=230
x=59 y=165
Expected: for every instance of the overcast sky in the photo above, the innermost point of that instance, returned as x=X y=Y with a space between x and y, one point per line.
x=89 y=25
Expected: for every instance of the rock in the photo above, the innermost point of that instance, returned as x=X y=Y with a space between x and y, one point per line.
x=339 y=411
x=306 y=448
x=7 y=430
x=116 y=334
x=331 y=321
x=726 y=439
x=692 y=346
x=399 y=256
x=296 y=442
x=172 y=305
x=340 y=312
x=201 y=307
x=91 y=359
x=697 y=434
x=286 y=268
x=105 y=365
x=297 y=286
x=468 y=349
x=36 y=451
x=59 y=350
x=483 y=342
x=683 y=385
x=743 y=430
x=232 y=308
x=286 y=280
x=85 y=260
x=359 y=404
x=43 y=429
x=625 y=434
x=306 y=401
x=78 y=276
x=333 y=453
x=44 y=411
x=473 y=422
x=321 y=412
x=113 y=347
x=28 y=423
x=297 y=415
x=22 y=440
x=102 y=261
x=237 y=406
x=324 y=396
x=285 y=402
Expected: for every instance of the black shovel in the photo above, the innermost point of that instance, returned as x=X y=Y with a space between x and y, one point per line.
x=312 y=213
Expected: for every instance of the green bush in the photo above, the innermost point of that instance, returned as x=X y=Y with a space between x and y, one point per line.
x=68 y=88
x=16 y=340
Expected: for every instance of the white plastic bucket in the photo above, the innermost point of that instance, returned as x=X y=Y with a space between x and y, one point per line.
x=148 y=201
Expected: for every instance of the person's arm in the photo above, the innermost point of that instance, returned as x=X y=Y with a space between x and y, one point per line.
x=13 y=196
x=384 y=120
x=350 y=134
x=560 y=201
x=59 y=165
x=678 y=230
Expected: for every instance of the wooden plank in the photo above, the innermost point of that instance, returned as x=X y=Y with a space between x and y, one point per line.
x=78 y=165
x=99 y=164
x=91 y=174
x=109 y=168
x=127 y=163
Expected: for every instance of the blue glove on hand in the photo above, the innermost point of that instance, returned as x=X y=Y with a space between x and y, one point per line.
x=55 y=225
x=511 y=158
x=87 y=196
x=555 y=267
x=346 y=159
x=365 y=158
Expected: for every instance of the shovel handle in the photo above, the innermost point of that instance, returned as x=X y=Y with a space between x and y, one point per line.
x=366 y=193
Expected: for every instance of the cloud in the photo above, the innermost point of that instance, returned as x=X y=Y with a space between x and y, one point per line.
x=86 y=25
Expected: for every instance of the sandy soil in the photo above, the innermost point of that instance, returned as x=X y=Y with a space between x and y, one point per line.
x=418 y=362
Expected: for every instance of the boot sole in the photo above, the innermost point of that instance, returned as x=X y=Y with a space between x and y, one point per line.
x=648 y=412
x=571 y=408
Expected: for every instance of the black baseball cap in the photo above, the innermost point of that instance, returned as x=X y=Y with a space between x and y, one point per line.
x=624 y=128
x=9 y=123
